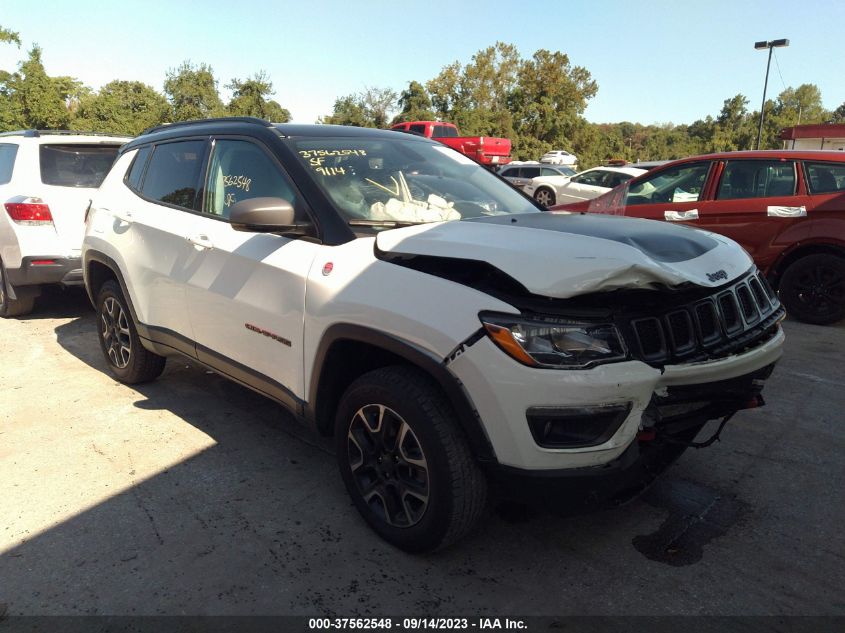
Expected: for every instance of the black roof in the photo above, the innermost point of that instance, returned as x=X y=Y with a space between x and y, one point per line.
x=259 y=127
x=294 y=130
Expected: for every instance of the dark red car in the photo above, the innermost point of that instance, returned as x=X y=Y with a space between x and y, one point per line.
x=786 y=207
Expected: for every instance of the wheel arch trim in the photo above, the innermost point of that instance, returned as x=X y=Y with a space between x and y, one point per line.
x=92 y=256
x=799 y=250
x=466 y=412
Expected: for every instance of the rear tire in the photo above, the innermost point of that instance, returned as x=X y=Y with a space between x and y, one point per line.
x=545 y=197
x=13 y=307
x=127 y=359
x=405 y=462
x=813 y=289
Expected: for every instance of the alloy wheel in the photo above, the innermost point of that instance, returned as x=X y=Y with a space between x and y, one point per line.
x=115 y=332
x=544 y=197
x=388 y=465
x=821 y=288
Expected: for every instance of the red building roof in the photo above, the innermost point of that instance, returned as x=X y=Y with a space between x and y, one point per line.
x=816 y=130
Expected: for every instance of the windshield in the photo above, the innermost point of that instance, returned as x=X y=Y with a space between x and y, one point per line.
x=374 y=181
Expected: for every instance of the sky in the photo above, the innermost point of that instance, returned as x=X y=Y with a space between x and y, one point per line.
x=655 y=61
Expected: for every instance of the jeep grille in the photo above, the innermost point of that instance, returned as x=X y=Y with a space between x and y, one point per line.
x=742 y=316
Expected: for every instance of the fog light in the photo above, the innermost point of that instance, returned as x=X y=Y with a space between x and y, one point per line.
x=575 y=427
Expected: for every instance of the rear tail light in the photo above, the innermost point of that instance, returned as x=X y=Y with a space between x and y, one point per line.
x=33 y=213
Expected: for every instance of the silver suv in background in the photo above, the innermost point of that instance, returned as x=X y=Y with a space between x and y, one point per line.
x=521 y=174
x=47 y=179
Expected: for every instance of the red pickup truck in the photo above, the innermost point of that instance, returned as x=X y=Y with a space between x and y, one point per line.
x=487 y=150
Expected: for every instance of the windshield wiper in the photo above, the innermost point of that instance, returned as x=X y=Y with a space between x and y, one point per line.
x=387 y=223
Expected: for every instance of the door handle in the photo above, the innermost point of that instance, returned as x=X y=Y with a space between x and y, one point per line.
x=123 y=216
x=680 y=216
x=201 y=241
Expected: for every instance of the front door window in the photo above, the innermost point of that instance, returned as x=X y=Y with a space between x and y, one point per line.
x=684 y=183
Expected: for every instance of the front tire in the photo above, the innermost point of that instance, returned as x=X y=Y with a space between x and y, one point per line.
x=127 y=359
x=405 y=462
x=13 y=307
x=545 y=197
x=813 y=289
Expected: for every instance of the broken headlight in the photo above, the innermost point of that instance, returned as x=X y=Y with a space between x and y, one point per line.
x=556 y=343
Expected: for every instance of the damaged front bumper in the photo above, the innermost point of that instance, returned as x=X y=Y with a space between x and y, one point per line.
x=669 y=425
x=669 y=403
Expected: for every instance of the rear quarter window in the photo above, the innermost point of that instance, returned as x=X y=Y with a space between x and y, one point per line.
x=8 y=151
x=136 y=171
x=75 y=165
x=825 y=177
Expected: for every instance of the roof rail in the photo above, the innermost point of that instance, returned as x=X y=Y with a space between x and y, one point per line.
x=38 y=133
x=227 y=119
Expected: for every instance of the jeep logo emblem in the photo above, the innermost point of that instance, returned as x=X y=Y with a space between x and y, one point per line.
x=719 y=274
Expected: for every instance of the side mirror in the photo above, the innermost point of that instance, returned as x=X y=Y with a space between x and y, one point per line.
x=266 y=215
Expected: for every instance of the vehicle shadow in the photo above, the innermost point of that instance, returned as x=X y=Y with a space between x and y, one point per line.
x=258 y=522
x=56 y=302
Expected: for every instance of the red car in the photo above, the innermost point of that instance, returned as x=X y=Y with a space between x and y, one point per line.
x=786 y=207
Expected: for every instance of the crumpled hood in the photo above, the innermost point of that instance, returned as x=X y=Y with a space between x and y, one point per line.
x=565 y=255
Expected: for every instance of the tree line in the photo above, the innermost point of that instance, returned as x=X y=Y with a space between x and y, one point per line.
x=30 y=99
x=537 y=102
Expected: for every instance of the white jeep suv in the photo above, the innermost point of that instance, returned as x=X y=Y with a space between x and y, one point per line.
x=449 y=334
x=47 y=179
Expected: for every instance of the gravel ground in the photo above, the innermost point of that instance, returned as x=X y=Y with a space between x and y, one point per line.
x=193 y=495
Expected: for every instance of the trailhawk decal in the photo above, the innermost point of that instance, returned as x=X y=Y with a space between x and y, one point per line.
x=267 y=333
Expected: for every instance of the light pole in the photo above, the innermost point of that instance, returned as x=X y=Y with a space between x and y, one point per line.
x=760 y=46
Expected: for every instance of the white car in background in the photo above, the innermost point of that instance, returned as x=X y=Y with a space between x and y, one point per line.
x=47 y=179
x=589 y=184
x=559 y=157
x=520 y=174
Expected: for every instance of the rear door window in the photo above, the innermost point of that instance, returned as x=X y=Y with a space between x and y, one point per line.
x=530 y=172
x=616 y=178
x=825 y=177
x=594 y=178
x=757 y=179
x=173 y=175
x=8 y=151
x=418 y=129
x=76 y=165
